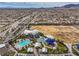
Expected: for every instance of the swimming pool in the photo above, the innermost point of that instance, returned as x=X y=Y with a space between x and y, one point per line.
x=23 y=43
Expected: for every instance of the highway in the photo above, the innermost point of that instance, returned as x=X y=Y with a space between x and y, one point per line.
x=15 y=24
x=28 y=20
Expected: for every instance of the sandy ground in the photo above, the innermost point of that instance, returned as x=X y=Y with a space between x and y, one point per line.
x=67 y=34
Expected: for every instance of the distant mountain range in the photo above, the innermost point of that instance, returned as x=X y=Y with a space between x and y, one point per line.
x=71 y=6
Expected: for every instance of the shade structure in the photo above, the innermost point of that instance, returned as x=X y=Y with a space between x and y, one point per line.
x=50 y=41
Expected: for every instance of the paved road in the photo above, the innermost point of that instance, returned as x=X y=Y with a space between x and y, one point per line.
x=35 y=52
x=20 y=22
x=15 y=24
x=66 y=54
x=69 y=46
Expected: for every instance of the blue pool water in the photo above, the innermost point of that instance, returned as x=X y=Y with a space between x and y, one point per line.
x=23 y=43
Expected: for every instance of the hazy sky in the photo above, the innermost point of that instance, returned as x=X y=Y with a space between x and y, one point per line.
x=33 y=4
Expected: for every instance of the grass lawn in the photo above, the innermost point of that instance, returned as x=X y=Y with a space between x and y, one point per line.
x=34 y=40
x=23 y=51
x=22 y=36
x=60 y=49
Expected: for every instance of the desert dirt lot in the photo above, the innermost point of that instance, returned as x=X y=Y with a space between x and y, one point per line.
x=67 y=34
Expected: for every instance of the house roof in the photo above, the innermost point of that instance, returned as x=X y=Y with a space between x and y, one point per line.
x=2 y=45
